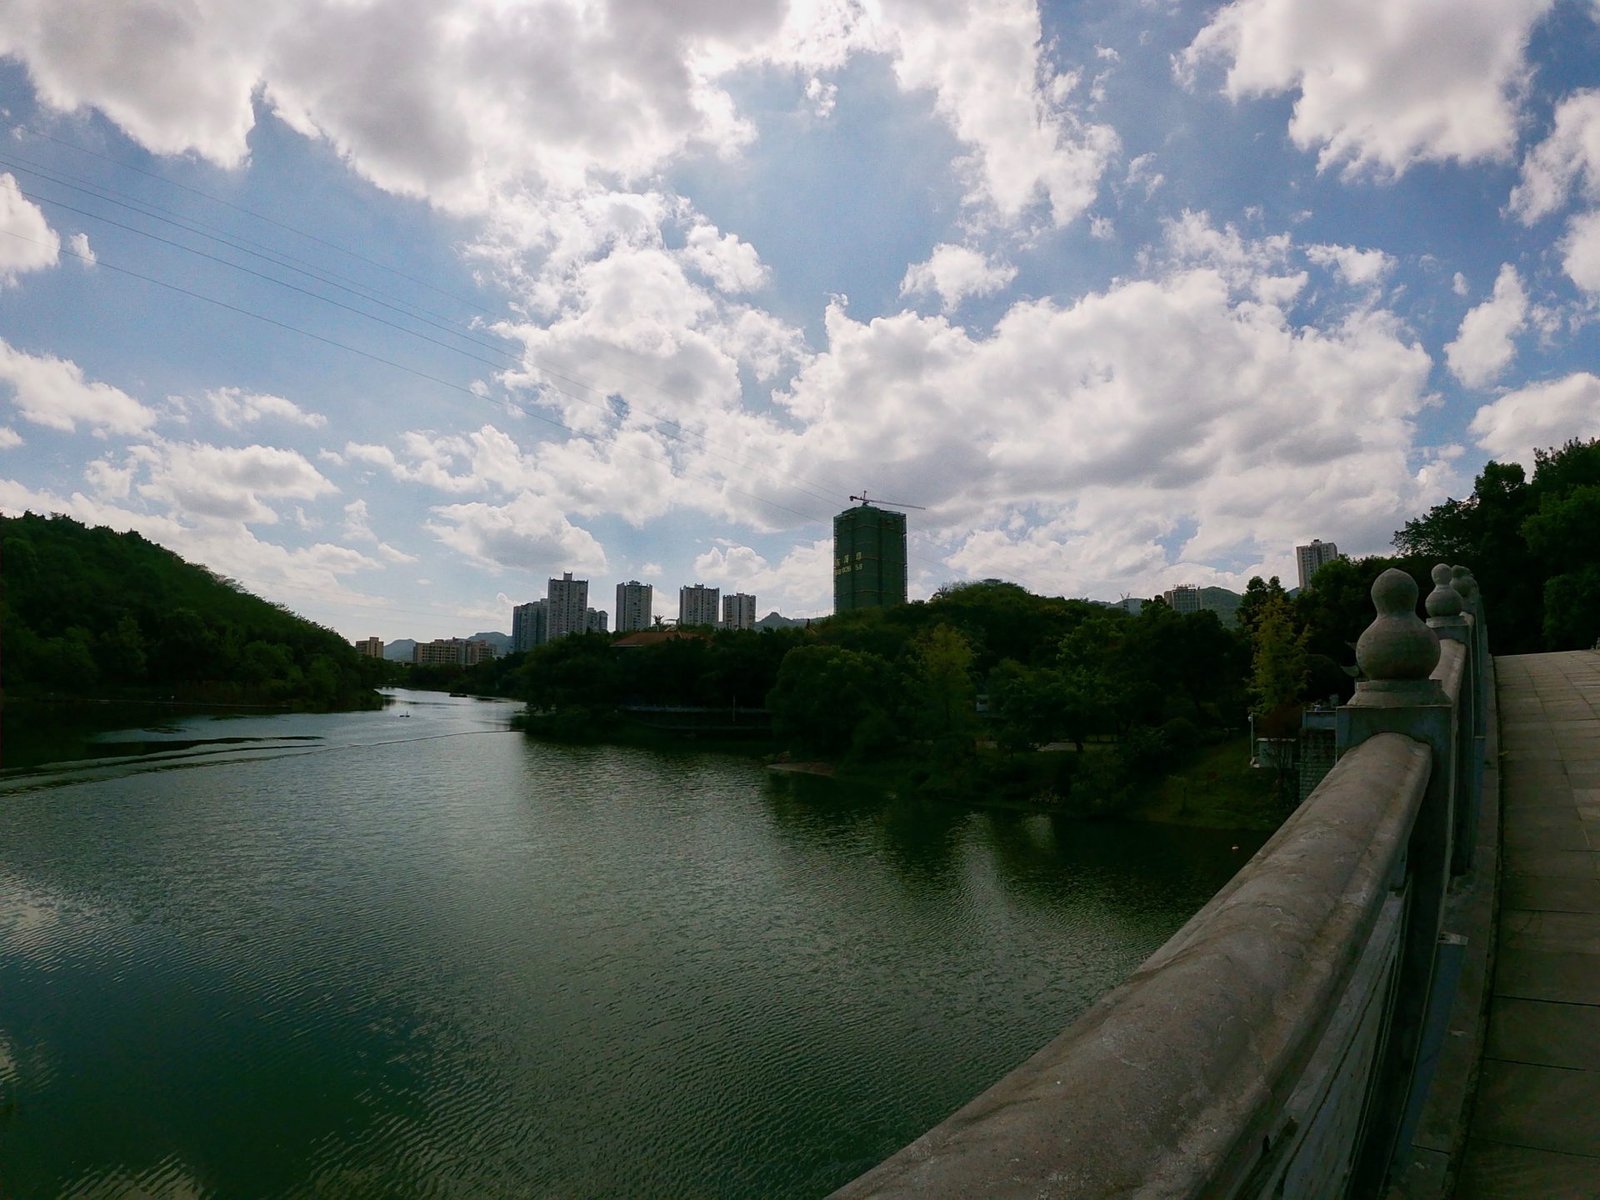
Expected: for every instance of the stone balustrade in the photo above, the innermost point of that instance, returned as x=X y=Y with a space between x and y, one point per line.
x=1282 y=1042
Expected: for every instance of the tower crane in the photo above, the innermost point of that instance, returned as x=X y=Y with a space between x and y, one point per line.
x=890 y=503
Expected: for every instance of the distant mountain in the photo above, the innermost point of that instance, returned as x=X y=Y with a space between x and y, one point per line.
x=776 y=620
x=500 y=641
x=93 y=612
x=1222 y=602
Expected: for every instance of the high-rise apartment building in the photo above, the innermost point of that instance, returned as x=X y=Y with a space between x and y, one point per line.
x=530 y=625
x=869 y=558
x=452 y=652
x=594 y=620
x=371 y=647
x=568 y=602
x=1309 y=558
x=739 y=611
x=635 y=606
x=1185 y=598
x=697 y=604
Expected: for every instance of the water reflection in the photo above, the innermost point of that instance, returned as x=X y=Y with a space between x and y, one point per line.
x=379 y=954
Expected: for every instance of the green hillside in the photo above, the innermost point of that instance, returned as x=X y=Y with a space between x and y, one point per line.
x=95 y=613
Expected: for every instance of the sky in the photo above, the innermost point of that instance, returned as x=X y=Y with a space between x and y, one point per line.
x=393 y=310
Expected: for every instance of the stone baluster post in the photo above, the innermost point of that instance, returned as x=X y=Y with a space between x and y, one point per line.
x=1449 y=623
x=1399 y=694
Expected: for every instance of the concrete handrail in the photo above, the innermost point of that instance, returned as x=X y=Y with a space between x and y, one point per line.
x=1175 y=1083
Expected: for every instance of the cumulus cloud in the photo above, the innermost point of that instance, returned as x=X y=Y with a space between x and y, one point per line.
x=1539 y=416
x=799 y=584
x=1381 y=84
x=358 y=528
x=224 y=483
x=983 y=64
x=1564 y=164
x=1358 y=268
x=529 y=533
x=27 y=243
x=52 y=392
x=1580 y=251
x=1484 y=347
x=1568 y=158
x=234 y=408
x=470 y=105
x=954 y=273
x=10 y=439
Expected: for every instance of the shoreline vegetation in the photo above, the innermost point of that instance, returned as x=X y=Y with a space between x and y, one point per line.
x=983 y=694
x=1213 y=787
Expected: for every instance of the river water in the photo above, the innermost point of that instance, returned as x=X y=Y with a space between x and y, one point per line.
x=413 y=953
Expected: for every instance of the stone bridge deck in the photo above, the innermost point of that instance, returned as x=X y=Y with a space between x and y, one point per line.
x=1536 y=1127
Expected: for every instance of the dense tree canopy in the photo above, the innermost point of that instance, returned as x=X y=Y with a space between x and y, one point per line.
x=92 y=612
x=1532 y=545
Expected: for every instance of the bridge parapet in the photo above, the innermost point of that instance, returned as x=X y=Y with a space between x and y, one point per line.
x=1282 y=1041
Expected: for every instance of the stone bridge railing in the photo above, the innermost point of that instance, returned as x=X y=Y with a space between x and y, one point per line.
x=1281 y=1042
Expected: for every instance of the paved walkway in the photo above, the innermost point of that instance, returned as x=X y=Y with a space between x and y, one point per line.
x=1536 y=1125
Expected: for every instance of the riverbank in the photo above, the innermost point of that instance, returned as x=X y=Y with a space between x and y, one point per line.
x=1211 y=787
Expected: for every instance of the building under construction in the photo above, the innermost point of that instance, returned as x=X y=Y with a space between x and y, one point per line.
x=869 y=558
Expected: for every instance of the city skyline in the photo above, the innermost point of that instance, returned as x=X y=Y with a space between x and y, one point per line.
x=1119 y=295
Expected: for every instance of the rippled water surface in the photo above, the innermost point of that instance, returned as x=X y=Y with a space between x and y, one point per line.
x=412 y=953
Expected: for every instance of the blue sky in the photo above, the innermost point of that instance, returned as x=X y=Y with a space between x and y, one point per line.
x=392 y=311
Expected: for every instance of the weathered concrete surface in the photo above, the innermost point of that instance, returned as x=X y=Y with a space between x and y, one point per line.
x=1440 y=1140
x=1174 y=1083
x=1536 y=1124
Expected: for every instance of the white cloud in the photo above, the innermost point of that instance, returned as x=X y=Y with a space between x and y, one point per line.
x=982 y=61
x=234 y=407
x=358 y=527
x=799 y=585
x=1076 y=439
x=1568 y=158
x=1381 y=84
x=471 y=105
x=52 y=392
x=822 y=97
x=528 y=534
x=79 y=242
x=732 y=265
x=224 y=483
x=10 y=439
x=1358 y=268
x=1580 y=251
x=1539 y=416
x=954 y=273
x=27 y=243
x=1458 y=284
x=1484 y=347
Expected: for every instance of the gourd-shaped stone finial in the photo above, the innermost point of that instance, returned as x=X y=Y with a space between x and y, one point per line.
x=1464 y=583
x=1444 y=602
x=1397 y=645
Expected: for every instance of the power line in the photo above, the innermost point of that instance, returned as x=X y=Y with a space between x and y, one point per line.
x=378 y=358
x=677 y=429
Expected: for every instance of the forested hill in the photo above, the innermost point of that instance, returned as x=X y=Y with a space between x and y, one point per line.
x=92 y=612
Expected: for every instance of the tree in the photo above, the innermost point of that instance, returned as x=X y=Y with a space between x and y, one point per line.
x=945 y=696
x=1258 y=593
x=1281 y=666
x=828 y=700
